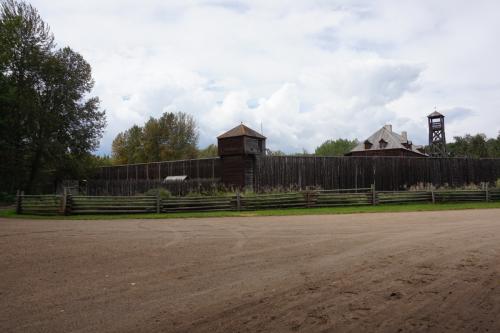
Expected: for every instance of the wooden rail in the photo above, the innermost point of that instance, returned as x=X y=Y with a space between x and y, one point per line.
x=76 y=204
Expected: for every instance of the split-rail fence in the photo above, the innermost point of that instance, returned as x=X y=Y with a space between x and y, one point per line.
x=67 y=204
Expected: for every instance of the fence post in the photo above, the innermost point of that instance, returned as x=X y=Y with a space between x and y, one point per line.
x=433 y=196
x=487 y=194
x=238 y=200
x=64 y=199
x=374 y=195
x=158 y=210
x=69 y=204
x=19 y=200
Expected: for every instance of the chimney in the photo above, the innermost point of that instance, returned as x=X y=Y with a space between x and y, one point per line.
x=405 y=136
x=388 y=127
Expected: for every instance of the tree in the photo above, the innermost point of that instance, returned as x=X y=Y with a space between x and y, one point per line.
x=82 y=167
x=210 y=151
x=469 y=146
x=128 y=146
x=493 y=146
x=337 y=147
x=47 y=118
x=178 y=136
x=173 y=136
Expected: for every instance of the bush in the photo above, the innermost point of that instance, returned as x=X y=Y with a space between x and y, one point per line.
x=164 y=194
x=7 y=199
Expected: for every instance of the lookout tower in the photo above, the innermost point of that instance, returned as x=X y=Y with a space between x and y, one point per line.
x=437 y=138
x=239 y=149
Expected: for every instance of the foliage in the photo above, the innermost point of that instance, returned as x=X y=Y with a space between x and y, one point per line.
x=127 y=146
x=173 y=136
x=163 y=193
x=270 y=152
x=81 y=167
x=476 y=146
x=338 y=147
x=6 y=198
x=210 y=151
x=48 y=121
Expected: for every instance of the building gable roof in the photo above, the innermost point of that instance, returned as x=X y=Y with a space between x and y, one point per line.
x=241 y=130
x=385 y=134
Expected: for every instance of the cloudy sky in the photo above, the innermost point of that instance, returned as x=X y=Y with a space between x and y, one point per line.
x=307 y=70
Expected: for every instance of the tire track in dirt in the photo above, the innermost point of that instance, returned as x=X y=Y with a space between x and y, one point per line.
x=177 y=236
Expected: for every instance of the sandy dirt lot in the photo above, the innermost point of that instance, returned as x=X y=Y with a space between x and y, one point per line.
x=397 y=272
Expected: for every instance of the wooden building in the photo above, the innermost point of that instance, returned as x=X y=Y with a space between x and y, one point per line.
x=239 y=149
x=385 y=142
x=437 y=137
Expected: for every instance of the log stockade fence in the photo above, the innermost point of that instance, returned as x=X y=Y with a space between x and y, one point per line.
x=387 y=173
x=204 y=168
x=302 y=172
x=67 y=204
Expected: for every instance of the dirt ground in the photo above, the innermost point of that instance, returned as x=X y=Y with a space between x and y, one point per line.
x=394 y=272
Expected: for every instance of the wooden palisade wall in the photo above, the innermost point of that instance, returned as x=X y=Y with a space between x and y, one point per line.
x=299 y=172
x=387 y=173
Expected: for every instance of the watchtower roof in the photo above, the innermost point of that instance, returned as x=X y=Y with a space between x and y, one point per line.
x=241 y=130
x=435 y=114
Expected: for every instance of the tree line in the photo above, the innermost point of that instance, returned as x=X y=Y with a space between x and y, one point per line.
x=475 y=146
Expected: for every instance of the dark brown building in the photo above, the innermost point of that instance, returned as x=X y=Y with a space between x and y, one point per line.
x=385 y=142
x=238 y=149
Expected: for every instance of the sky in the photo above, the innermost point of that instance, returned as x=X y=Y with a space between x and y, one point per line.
x=302 y=71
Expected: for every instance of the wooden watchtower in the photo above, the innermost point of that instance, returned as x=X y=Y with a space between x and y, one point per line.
x=239 y=149
x=437 y=138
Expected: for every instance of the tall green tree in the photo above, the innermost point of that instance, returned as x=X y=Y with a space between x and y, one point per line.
x=128 y=146
x=337 y=147
x=172 y=136
x=47 y=117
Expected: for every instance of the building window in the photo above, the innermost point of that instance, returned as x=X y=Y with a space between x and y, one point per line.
x=368 y=145
x=382 y=144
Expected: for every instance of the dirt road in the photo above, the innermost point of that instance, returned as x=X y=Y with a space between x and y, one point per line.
x=398 y=272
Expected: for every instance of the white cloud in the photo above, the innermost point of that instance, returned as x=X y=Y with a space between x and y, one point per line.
x=308 y=70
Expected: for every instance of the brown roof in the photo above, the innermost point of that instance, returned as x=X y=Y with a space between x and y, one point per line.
x=393 y=141
x=241 y=130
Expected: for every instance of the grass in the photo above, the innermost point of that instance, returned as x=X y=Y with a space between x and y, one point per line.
x=386 y=208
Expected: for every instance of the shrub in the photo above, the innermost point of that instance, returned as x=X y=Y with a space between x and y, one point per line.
x=164 y=194
x=7 y=199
